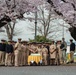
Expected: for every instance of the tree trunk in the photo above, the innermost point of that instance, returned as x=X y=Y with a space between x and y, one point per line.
x=10 y=30
x=10 y=37
x=73 y=32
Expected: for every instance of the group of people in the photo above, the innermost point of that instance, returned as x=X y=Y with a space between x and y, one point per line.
x=16 y=53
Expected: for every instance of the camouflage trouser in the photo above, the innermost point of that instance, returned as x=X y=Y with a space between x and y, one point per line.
x=71 y=55
x=64 y=56
x=16 y=53
x=2 y=57
x=8 y=61
x=45 y=59
x=57 y=60
x=23 y=58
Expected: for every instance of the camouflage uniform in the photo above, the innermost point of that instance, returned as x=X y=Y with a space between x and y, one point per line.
x=59 y=53
x=24 y=54
x=17 y=54
x=44 y=55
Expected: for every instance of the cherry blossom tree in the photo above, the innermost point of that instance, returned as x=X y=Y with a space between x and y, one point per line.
x=11 y=30
x=45 y=22
x=10 y=10
x=16 y=8
x=67 y=10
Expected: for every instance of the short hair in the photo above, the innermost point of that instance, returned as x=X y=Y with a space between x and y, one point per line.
x=3 y=40
x=9 y=41
x=63 y=38
x=53 y=41
x=19 y=38
x=71 y=40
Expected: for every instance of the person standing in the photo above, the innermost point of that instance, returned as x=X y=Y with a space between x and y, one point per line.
x=13 y=56
x=48 y=48
x=63 y=47
x=52 y=53
x=59 y=52
x=72 y=50
x=28 y=52
x=24 y=53
x=2 y=51
x=44 y=54
x=9 y=51
x=17 y=53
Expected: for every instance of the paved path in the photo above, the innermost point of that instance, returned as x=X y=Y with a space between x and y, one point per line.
x=38 y=70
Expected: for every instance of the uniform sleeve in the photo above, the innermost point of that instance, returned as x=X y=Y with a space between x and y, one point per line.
x=46 y=50
x=16 y=45
x=54 y=47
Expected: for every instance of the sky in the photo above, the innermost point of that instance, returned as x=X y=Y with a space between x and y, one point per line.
x=26 y=33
